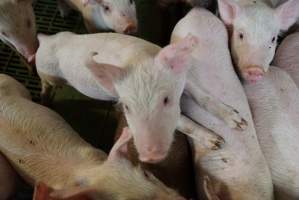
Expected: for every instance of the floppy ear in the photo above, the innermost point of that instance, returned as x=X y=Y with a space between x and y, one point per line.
x=177 y=56
x=228 y=10
x=86 y=2
x=288 y=14
x=120 y=148
x=43 y=192
x=105 y=74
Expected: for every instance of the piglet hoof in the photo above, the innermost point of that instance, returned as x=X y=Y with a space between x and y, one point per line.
x=215 y=142
x=242 y=125
x=235 y=121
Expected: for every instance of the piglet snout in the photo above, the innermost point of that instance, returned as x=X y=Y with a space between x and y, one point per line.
x=130 y=28
x=253 y=74
x=152 y=155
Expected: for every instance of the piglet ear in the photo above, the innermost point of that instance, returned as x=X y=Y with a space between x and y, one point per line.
x=105 y=74
x=228 y=10
x=209 y=189
x=288 y=14
x=120 y=148
x=177 y=56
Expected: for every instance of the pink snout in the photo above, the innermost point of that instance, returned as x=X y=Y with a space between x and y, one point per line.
x=130 y=28
x=253 y=74
x=152 y=154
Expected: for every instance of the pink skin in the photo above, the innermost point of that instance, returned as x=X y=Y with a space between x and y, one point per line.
x=253 y=74
x=130 y=29
x=149 y=152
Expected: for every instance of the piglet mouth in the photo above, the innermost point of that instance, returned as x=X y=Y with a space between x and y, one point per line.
x=131 y=29
x=253 y=74
x=153 y=157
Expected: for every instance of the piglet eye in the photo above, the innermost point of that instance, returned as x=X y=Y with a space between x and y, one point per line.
x=241 y=36
x=166 y=101
x=131 y=1
x=146 y=174
x=4 y=34
x=106 y=8
x=273 y=39
x=126 y=108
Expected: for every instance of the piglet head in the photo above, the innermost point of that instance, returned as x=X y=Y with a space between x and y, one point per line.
x=254 y=31
x=117 y=15
x=150 y=96
x=17 y=27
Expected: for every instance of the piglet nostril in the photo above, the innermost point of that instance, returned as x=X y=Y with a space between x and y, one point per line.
x=131 y=28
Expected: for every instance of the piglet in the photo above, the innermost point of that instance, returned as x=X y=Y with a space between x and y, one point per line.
x=202 y=3
x=274 y=103
x=237 y=171
x=42 y=147
x=104 y=15
x=148 y=81
x=286 y=56
x=8 y=179
x=17 y=27
x=254 y=27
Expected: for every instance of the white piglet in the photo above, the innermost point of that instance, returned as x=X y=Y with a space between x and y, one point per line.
x=17 y=27
x=287 y=57
x=238 y=171
x=274 y=103
x=42 y=147
x=254 y=27
x=104 y=15
x=202 y=3
x=146 y=79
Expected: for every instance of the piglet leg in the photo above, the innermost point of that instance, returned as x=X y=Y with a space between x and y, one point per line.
x=199 y=133
x=222 y=111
